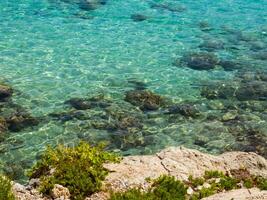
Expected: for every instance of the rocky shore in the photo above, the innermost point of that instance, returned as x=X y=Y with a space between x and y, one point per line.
x=180 y=162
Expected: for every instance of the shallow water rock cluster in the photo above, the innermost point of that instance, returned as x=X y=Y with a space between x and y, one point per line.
x=144 y=99
x=243 y=109
x=87 y=5
x=199 y=60
x=247 y=86
x=13 y=117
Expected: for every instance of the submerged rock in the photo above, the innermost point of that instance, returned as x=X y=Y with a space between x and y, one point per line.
x=258 y=45
x=128 y=122
x=5 y=92
x=19 y=121
x=249 y=86
x=262 y=55
x=144 y=99
x=67 y=116
x=231 y=115
x=3 y=126
x=219 y=91
x=88 y=103
x=79 y=103
x=259 y=75
x=186 y=110
x=138 y=17
x=124 y=118
x=138 y=85
x=248 y=138
x=169 y=7
x=200 y=60
x=230 y=65
x=253 y=90
x=91 y=4
x=211 y=45
x=204 y=26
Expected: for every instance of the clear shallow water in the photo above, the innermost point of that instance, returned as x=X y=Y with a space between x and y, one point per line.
x=51 y=51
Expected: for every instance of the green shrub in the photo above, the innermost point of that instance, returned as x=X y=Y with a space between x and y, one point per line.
x=213 y=174
x=261 y=183
x=78 y=168
x=204 y=192
x=168 y=188
x=228 y=183
x=165 y=187
x=248 y=183
x=132 y=194
x=195 y=181
x=5 y=189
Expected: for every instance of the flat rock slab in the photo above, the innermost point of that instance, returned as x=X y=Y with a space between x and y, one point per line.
x=240 y=194
x=180 y=162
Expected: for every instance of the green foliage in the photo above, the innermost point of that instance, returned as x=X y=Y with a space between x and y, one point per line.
x=228 y=183
x=78 y=168
x=132 y=194
x=168 y=188
x=196 y=181
x=204 y=192
x=248 y=183
x=261 y=183
x=165 y=187
x=213 y=174
x=5 y=189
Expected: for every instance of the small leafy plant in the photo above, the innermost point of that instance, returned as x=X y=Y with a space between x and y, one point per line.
x=165 y=187
x=5 y=189
x=78 y=168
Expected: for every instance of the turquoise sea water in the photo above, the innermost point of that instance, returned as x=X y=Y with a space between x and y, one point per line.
x=55 y=50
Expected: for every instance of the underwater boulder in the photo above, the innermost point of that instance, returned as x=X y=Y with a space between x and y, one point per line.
x=138 y=17
x=262 y=55
x=200 y=60
x=102 y=124
x=138 y=85
x=126 y=122
x=187 y=110
x=219 y=91
x=259 y=75
x=252 y=90
x=88 y=103
x=69 y=115
x=144 y=99
x=204 y=26
x=251 y=139
x=230 y=115
x=230 y=65
x=126 y=140
x=5 y=92
x=172 y=7
x=91 y=4
x=3 y=125
x=125 y=116
x=211 y=45
x=19 y=121
x=79 y=103
x=257 y=45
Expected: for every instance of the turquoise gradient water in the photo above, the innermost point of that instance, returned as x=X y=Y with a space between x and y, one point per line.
x=51 y=51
